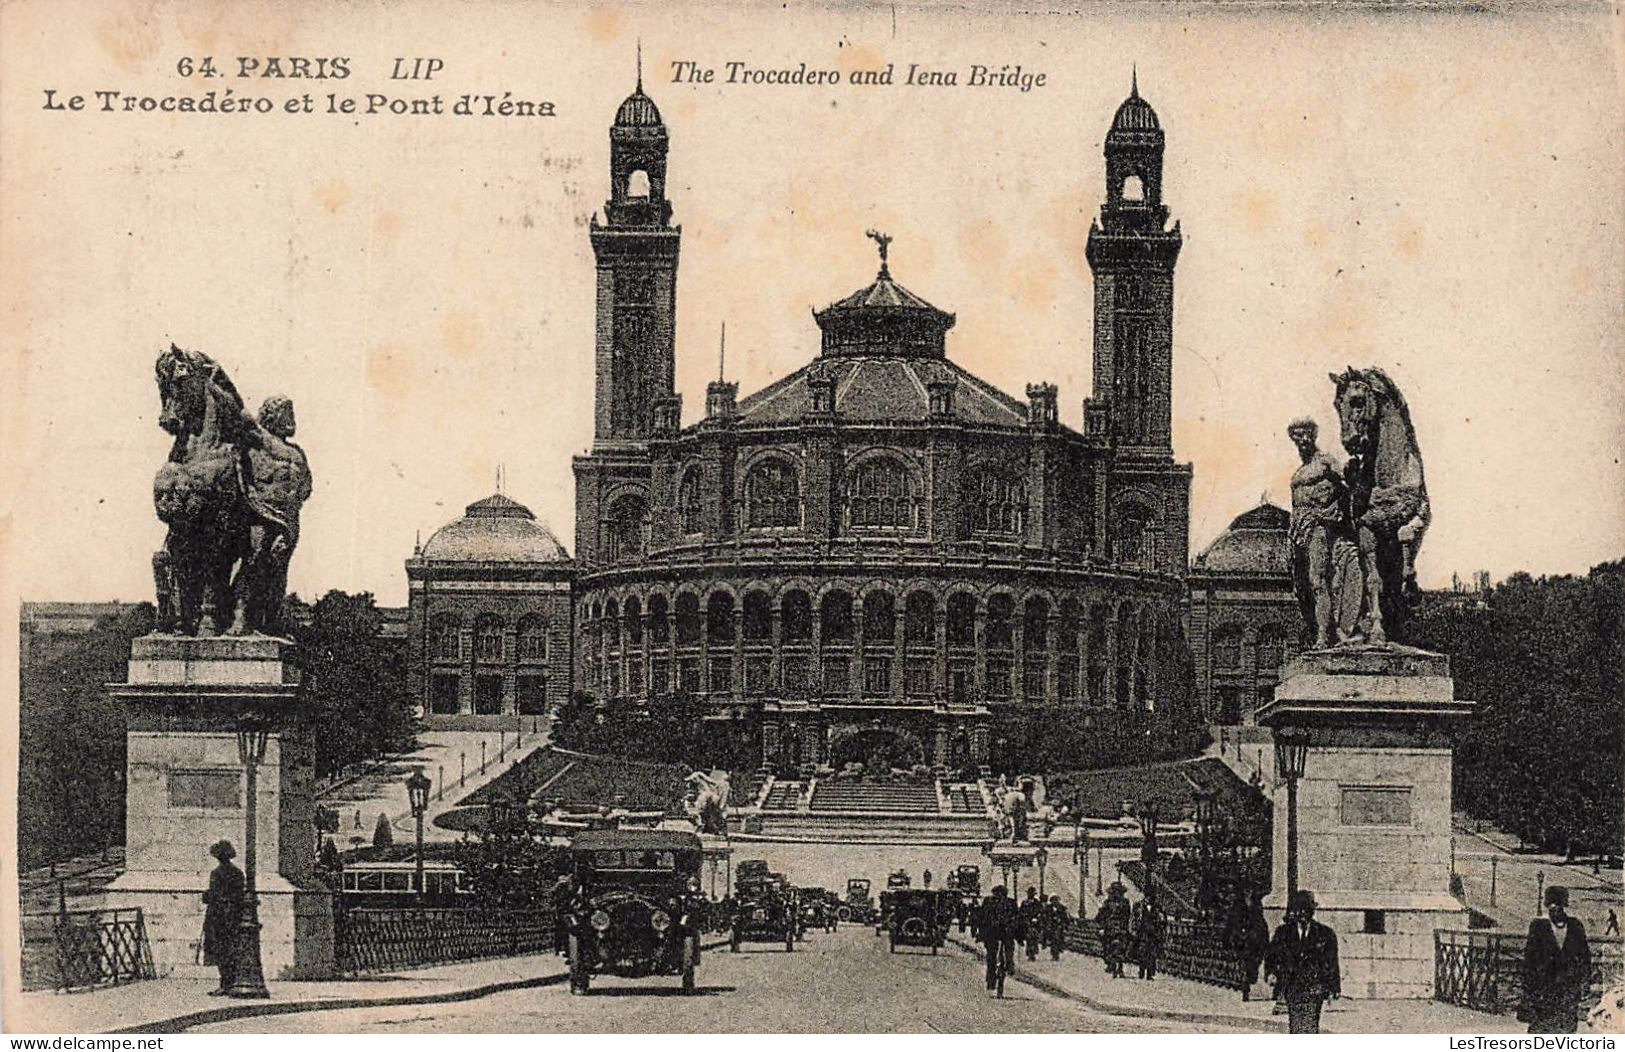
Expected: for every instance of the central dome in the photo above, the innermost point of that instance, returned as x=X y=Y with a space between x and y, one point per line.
x=495 y=529
x=883 y=318
x=638 y=111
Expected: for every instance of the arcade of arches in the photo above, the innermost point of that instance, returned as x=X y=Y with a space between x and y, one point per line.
x=849 y=670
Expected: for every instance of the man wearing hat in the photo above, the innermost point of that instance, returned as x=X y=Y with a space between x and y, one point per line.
x=1556 y=968
x=1303 y=959
x=222 y=913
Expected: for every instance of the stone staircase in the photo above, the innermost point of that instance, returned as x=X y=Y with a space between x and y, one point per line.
x=875 y=796
x=872 y=813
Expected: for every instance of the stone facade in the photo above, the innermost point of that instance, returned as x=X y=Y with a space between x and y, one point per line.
x=880 y=544
x=489 y=618
x=1244 y=616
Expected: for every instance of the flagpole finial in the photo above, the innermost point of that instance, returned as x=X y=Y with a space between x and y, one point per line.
x=722 y=355
x=640 y=65
x=1134 y=80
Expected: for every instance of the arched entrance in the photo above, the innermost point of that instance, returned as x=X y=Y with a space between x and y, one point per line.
x=878 y=748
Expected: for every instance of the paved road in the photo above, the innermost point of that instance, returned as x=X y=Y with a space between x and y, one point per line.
x=843 y=982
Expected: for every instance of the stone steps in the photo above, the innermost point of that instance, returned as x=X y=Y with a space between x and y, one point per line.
x=875 y=797
x=874 y=827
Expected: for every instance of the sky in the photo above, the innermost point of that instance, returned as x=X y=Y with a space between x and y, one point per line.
x=1436 y=194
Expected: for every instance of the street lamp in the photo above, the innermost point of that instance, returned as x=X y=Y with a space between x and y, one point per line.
x=1080 y=855
x=1291 y=758
x=1148 y=849
x=253 y=735
x=417 y=794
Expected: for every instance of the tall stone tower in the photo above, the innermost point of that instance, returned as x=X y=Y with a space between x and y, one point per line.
x=1132 y=256
x=636 y=250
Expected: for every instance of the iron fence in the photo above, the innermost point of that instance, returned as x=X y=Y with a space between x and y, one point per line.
x=83 y=949
x=1484 y=969
x=370 y=940
x=1190 y=950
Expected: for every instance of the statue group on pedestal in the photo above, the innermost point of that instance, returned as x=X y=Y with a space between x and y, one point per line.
x=230 y=494
x=1355 y=529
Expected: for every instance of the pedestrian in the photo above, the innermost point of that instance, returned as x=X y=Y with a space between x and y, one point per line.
x=1613 y=924
x=1302 y=958
x=1032 y=922
x=1556 y=968
x=996 y=925
x=1112 y=919
x=1056 y=922
x=1148 y=941
x=1255 y=942
x=222 y=915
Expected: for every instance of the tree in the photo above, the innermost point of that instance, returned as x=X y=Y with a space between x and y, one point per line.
x=70 y=794
x=353 y=677
x=382 y=834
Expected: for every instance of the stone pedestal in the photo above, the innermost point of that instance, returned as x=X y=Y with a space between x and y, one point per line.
x=1374 y=840
x=184 y=790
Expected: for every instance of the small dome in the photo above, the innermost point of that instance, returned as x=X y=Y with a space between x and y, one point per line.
x=1135 y=115
x=495 y=529
x=638 y=111
x=1256 y=542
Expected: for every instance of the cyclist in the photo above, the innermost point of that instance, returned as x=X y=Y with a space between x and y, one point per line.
x=997 y=925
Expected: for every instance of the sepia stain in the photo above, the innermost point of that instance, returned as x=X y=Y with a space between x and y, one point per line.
x=129 y=35
x=460 y=333
x=1317 y=235
x=1256 y=210
x=1035 y=283
x=1581 y=280
x=603 y=24
x=859 y=56
x=386 y=227
x=389 y=372
x=332 y=195
x=1408 y=242
x=1399 y=88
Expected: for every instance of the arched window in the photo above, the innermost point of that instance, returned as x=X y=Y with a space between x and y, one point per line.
x=488 y=640
x=659 y=622
x=880 y=495
x=688 y=502
x=445 y=637
x=1227 y=647
x=919 y=619
x=836 y=615
x=758 y=619
x=719 y=619
x=1133 y=189
x=1271 y=648
x=612 y=623
x=1130 y=536
x=628 y=529
x=637 y=184
x=633 y=617
x=961 y=620
x=879 y=619
x=688 y=619
x=795 y=616
x=772 y=494
x=1001 y=633
x=997 y=504
x=532 y=639
x=1035 y=627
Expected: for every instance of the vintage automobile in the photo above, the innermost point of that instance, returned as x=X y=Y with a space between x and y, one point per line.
x=815 y=909
x=919 y=917
x=765 y=911
x=859 y=907
x=632 y=905
x=896 y=882
x=965 y=883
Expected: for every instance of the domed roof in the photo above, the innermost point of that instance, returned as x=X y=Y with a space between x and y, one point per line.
x=1135 y=114
x=495 y=529
x=883 y=318
x=638 y=111
x=1255 y=543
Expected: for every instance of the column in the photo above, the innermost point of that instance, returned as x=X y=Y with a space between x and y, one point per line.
x=939 y=670
x=1052 y=656
x=1019 y=670
x=465 y=682
x=1110 y=686
x=981 y=649
x=775 y=668
x=899 y=646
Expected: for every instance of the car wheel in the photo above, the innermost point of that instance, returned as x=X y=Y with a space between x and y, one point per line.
x=894 y=946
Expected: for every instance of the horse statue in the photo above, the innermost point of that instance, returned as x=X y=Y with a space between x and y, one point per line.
x=230 y=493
x=1387 y=494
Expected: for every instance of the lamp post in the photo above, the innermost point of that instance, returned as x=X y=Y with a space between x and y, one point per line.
x=1080 y=855
x=252 y=737
x=1148 y=849
x=1291 y=758
x=417 y=794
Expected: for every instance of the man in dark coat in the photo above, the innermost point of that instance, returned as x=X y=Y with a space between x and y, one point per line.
x=1032 y=922
x=1056 y=921
x=1113 y=921
x=222 y=914
x=1148 y=932
x=1303 y=959
x=996 y=926
x=1556 y=968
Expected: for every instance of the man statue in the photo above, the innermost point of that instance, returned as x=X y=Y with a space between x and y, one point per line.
x=281 y=483
x=1322 y=547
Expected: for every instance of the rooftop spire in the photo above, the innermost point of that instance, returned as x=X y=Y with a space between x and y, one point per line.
x=640 y=65
x=722 y=355
x=1133 y=91
x=883 y=240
